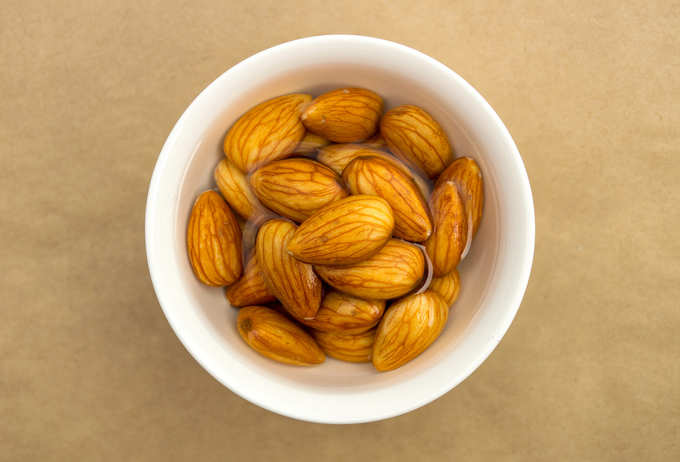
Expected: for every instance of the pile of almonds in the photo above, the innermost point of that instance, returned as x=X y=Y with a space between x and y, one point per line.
x=342 y=212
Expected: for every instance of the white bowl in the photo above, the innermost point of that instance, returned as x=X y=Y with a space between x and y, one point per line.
x=493 y=276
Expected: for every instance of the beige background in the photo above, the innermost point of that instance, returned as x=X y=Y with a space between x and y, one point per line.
x=89 y=367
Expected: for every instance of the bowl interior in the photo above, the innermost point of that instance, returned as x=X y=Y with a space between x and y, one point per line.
x=336 y=391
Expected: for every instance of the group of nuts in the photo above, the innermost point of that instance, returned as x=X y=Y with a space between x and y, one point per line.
x=334 y=232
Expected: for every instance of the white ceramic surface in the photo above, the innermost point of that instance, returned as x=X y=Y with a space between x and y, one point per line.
x=493 y=276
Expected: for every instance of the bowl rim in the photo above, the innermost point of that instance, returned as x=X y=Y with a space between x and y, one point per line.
x=513 y=301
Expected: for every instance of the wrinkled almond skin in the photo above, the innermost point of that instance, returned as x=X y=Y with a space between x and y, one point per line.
x=394 y=271
x=346 y=314
x=447 y=242
x=214 y=241
x=339 y=156
x=293 y=282
x=378 y=177
x=414 y=136
x=344 y=232
x=344 y=115
x=409 y=326
x=354 y=348
x=296 y=188
x=447 y=286
x=269 y=131
x=273 y=335
x=235 y=189
x=311 y=143
x=465 y=173
x=251 y=288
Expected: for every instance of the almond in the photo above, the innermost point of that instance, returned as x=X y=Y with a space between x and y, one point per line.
x=447 y=242
x=344 y=232
x=409 y=326
x=344 y=115
x=311 y=143
x=214 y=241
x=394 y=271
x=338 y=156
x=234 y=186
x=296 y=188
x=294 y=283
x=414 y=136
x=251 y=288
x=273 y=335
x=447 y=286
x=347 y=314
x=465 y=173
x=354 y=348
x=378 y=177
x=269 y=131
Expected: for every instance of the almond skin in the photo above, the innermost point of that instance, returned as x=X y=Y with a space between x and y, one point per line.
x=394 y=271
x=269 y=131
x=296 y=188
x=378 y=177
x=447 y=242
x=235 y=189
x=311 y=143
x=409 y=326
x=346 y=314
x=293 y=282
x=339 y=156
x=465 y=173
x=214 y=241
x=344 y=232
x=447 y=286
x=251 y=288
x=414 y=136
x=344 y=115
x=273 y=335
x=354 y=348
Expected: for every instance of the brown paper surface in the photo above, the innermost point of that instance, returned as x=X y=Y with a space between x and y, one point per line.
x=89 y=367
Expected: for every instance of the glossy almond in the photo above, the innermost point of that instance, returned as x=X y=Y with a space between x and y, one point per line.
x=338 y=156
x=251 y=288
x=409 y=326
x=394 y=271
x=344 y=232
x=273 y=335
x=465 y=173
x=296 y=188
x=214 y=241
x=344 y=115
x=378 y=177
x=354 y=348
x=413 y=135
x=293 y=282
x=235 y=189
x=447 y=286
x=311 y=143
x=347 y=314
x=269 y=131
x=447 y=242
